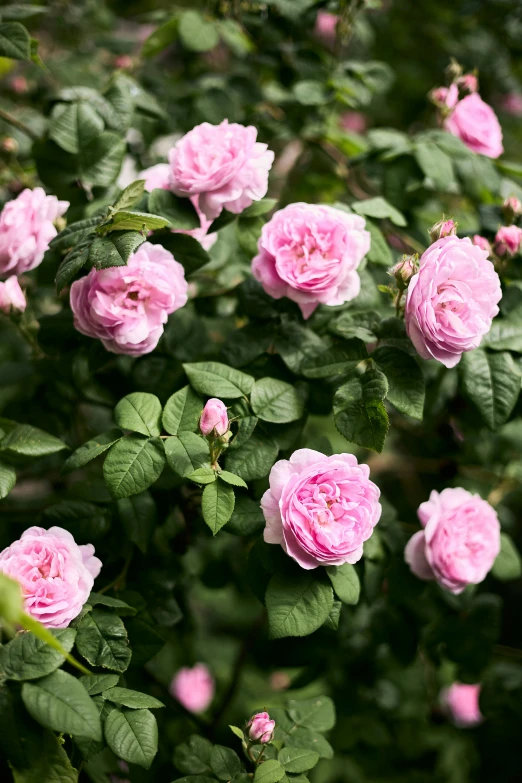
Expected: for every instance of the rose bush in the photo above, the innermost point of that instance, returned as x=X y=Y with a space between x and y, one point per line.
x=260 y=316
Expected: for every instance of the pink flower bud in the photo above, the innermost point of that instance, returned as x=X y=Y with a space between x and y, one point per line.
x=193 y=688
x=9 y=144
x=19 y=84
x=462 y=703
x=507 y=240
x=445 y=97
x=12 y=299
x=261 y=728
x=214 y=418
x=354 y=121
x=444 y=228
x=326 y=27
x=123 y=61
x=468 y=83
x=512 y=103
x=512 y=208
x=481 y=242
x=404 y=270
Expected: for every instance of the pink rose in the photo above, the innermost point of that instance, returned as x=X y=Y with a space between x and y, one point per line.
x=481 y=242
x=193 y=688
x=214 y=418
x=507 y=240
x=157 y=176
x=320 y=509
x=476 y=124
x=55 y=574
x=326 y=27
x=261 y=727
x=126 y=307
x=26 y=228
x=12 y=299
x=512 y=103
x=460 y=540
x=462 y=703
x=310 y=254
x=451 y=300
x=223 y=164
x=354 y=121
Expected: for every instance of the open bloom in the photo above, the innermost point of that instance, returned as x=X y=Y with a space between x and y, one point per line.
x=476 y=124
x=193 y=687
x=55 y=574
x=222 y=164
x=214 y=418
x=451 y=300
x=26 y=228
x=12 y=299
x=310 y=254
x=460 y=540
x=320 y=509
x=507 y=240
x=461 y=701
x=126 y=307
x=261 y=727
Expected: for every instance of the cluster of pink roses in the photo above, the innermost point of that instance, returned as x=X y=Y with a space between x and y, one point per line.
x=508 y=238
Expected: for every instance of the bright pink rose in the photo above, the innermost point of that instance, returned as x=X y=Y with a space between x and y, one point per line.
x=320 y=509
x=126 y=307
x=223 y=164
x=451 y=300
x=481 y=242
x=354 y=121
x=26 y=228
x=462 y=703
x=326 y=27
x=476 y=124
x=261 y=727
x=56 y=575
x=12 y=297
x=460 y=540
x=507 y=240
x=214 y=418
x=193 y=688
x=512 y=103
x=310 y=254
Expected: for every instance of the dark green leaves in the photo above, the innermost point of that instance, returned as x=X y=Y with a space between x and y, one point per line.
x=508 y=564
x=27 y=441
x=359 y=410
x=139 y=412
x=317 y=713
x=405 y=380
x=178 y=211
x=182 y=411
x=7 y=479
x=218 y=380
x=378 y=207
x=270 y=771
x=102 y=640
x=195 y=33
x=27 y=658
x=15 y=41
x=133 y=464
x=224 y=762
x=492 y=382
x=115 y=249
x=73 y=125
x=186 y=452
x=90 y=450
x=276 y=401
x=217 y=505
x=298 y=603
x=133 y=699
x=345 y=582
x=132 y=735
x=297 y=760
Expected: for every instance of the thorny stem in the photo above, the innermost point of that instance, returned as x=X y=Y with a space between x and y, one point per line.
x=18 y=124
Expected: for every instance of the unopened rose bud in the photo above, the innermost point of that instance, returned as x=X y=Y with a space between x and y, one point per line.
x=511 y=208
x=444 y=97
x=9 y=144
x=454 y=70
x=468 y=83
x=123 y=61
x=12 y=299
x=404 y=270
x=444 y=228
x=507 y=240
x=19 y=84
x=261 y=727
x=214 y=418
x=481 y=242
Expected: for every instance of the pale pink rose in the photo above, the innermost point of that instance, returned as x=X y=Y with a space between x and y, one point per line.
x=512 y=103
x=481 y=242
x=326 y=27
x=460 y=540
x=476 y=124
x=461 y=701
x=223 y=164
x=193 y=688
x=445 y=96
x=261 y=727
x=444 y=228
x=507 y=240
x=26 y=228
x=214 y=418
x=451 y=300
x=12 y=299
x=320 y=509
x=310 y=254
x=126 y=307
x=55 y=574
x=404 y=270
x=354 y=121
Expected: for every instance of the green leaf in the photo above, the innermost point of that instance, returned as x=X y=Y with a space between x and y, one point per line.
x=237 y=731
x=218 y=380
x=162 y=37
x=359 y=412
x=203 y=476
x=195 y=33
x=245 y=427
x=138 y=518
x=115 y=249
x=379 y=208
x=248 y=231
x=276 y=401
x=379 y=252
x=225 y=763
x=335 y=360
x=317 y=714
x=101 y=159
x=130 y=196
x=310 y=92
x=61 y=703
x=217 y=505
x=492 y=382
x=90 y=450
x=297 y=760
x=297 y=604
x=193 y=757
x=247 y=517
x=97 y=683
x=223 y=219
x=73 y=125
x=406 y=387
x=254 y=459
x=133 y=699
x=27 y=658
x=260 y=207
x=132 y=735
x=129 y=220
x=47 y=763
x=11 y=602
x=102 y=640
x=28 y=441
x=132 y=465
x=74 y=262
x=7 y=479
x=180 y=212
x=73 y=233
x=186 y=453
x=182 y=411
x=139 y=412
x=231 y=478
x=508 y=563
x=85 y=520
x=186 y=250
x=15 y=41
x=345 y=582
x=120 y=607
x=435 y=165
x=19 y=11
x=505 y=335
x=270 y=771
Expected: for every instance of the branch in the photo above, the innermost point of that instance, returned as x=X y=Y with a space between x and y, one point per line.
x=4 y=115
